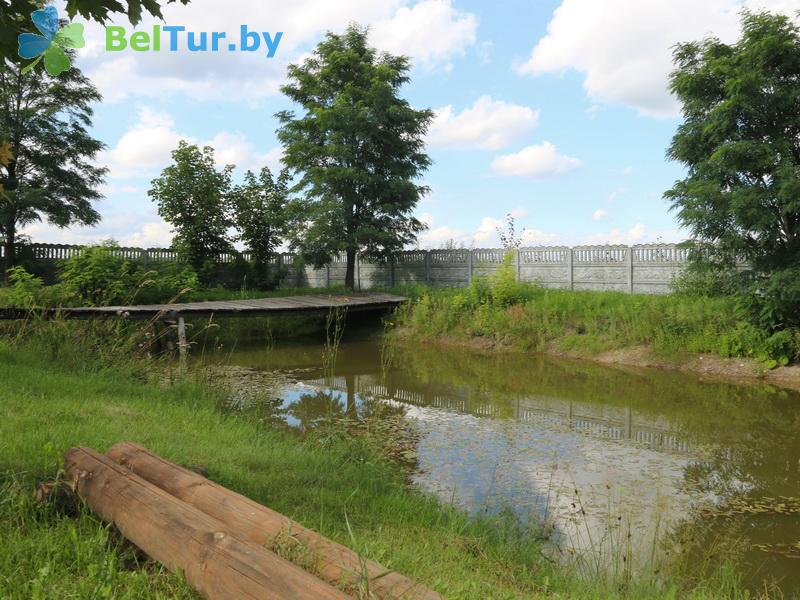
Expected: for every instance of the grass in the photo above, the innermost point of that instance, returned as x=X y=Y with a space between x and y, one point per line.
x=532 y=318
x=62 y=388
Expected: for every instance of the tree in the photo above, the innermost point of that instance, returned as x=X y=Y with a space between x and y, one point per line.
x=15 y=17
x=193 y=197
x=740 y=142
x=262 y=217
x=49 y=168
x=358 y=148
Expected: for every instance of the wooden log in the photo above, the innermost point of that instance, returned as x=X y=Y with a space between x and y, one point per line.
x=182 y=537
x=252 y=521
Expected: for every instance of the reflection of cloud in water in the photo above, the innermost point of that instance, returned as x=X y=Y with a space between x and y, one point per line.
x=491 y=465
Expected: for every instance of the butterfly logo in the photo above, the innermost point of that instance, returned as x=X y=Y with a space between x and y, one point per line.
x=51 y=44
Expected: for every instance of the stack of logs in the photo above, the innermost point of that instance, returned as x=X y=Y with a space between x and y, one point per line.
x=218 y=539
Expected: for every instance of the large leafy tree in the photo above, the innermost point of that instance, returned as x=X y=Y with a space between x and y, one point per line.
x=194 y=197
x=262 y=215
x=740 y=142
x=50 y=170
x=358 y=148
x=15 y=15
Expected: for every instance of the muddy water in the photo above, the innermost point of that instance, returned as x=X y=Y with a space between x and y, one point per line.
x=620 y=467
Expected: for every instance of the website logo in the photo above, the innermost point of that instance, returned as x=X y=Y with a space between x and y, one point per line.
x=52 y=42
x=178 y=37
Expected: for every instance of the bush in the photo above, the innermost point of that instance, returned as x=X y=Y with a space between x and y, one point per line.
x=28 y=291
x=99 y=277
x=703 y=279
x=773 y=301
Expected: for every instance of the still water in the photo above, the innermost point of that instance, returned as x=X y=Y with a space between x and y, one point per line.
x=620 y=468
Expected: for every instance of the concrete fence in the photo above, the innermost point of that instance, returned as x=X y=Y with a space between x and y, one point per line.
x=637 y=269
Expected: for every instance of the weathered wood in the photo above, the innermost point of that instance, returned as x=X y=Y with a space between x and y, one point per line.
x=290 y=305
x=215 y=562
x=252 y=521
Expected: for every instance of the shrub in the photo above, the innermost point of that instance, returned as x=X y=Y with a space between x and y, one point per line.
x=28 y=291
x=506 y=290
x=706 y=279
x=773 y=301
x=100 y=277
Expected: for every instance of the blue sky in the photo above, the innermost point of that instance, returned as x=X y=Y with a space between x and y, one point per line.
x=553 y=110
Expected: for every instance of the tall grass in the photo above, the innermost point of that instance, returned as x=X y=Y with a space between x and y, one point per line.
x=529 y=317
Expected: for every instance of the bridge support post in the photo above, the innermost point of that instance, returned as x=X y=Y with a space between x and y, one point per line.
x=183 y=345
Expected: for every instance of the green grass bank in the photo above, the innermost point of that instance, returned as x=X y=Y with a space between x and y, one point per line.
x=502 y=313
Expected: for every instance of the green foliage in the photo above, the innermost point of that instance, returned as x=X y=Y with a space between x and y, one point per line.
x=772 y=301
x=530 y=317
x=28 y=291
x=358 y=148
x=703 y=278
x=193 y=197
x=739 y=142
x=262 y=217
x=100 y=277
x=52 y=174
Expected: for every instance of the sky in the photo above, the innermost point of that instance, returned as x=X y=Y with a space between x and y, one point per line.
x=556 y=112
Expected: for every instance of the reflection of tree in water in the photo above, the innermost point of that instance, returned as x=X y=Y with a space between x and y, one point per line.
x=314 y=408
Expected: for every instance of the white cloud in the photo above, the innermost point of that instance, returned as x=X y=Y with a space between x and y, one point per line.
x=628 y=170
x=152 y=233
x=437 y=237
x=487 y=230
x=146 y=147
x=536 y=237
x=233 y=148
x=638 y=234
x=634 y=235
x=612 y=197
x=156 y=234
x=599 y=214
x=624 y=47
x=431 y=32
x=485 y=235
x=488 y=124
x=539 y=162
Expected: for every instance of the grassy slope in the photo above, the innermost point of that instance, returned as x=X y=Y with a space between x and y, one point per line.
x=528 y=317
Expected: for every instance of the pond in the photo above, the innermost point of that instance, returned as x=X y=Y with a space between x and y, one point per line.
x=621 y=470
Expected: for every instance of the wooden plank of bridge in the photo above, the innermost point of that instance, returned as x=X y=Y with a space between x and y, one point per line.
x=261 y=525
x=215 y=563
x=281 y=305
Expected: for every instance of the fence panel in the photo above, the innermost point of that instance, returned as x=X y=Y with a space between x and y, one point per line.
x=647 y=268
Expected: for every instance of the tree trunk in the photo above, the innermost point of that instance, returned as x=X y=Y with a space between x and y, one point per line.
x=10 y=250
x=350 y=275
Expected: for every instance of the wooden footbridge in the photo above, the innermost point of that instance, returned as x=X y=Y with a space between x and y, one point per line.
x=177 y=312
x=281 y=306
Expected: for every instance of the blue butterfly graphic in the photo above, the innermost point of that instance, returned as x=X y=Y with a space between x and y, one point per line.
x=51 y=44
